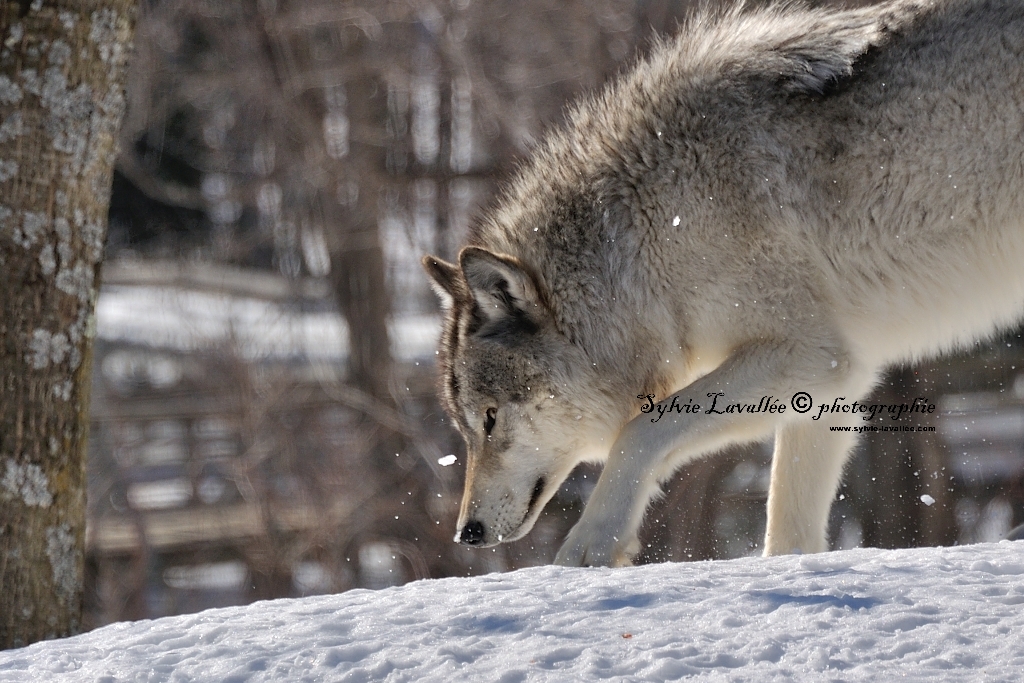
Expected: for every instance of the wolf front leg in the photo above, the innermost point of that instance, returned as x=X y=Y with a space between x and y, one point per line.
x=646 y=454
x=806 y=467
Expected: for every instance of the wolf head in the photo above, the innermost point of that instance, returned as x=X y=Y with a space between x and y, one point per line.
x=506 y=374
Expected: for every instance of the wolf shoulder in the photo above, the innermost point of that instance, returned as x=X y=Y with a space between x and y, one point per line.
x=858 y=153
x=955 y=67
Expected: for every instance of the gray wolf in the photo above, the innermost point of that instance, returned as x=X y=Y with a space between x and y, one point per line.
x=779 y=200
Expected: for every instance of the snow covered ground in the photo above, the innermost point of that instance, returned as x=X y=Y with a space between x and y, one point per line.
x=934 y=614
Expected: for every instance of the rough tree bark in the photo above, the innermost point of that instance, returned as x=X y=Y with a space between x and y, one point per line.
x=62 y=75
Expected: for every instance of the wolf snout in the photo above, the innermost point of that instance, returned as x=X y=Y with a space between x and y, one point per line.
x=472 y=533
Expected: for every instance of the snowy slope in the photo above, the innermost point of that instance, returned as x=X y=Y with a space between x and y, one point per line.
x=949 y=614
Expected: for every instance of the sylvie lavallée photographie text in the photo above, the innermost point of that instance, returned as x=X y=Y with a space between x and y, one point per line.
x=800 y=402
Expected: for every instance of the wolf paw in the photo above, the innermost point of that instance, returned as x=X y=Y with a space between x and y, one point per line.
x=583 y=550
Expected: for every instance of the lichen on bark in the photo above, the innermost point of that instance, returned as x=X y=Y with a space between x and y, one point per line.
x=62 y=75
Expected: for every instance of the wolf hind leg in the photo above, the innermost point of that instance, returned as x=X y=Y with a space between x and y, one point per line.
x=806 y=467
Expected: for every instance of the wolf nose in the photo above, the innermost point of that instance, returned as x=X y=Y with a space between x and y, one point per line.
x=472 y=533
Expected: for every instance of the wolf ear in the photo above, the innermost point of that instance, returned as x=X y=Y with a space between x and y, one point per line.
x=504 y=295
x=443 y=279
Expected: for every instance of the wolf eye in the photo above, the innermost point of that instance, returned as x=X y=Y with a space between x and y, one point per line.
x=491 y=414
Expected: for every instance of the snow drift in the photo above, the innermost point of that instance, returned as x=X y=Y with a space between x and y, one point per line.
x=931 y=614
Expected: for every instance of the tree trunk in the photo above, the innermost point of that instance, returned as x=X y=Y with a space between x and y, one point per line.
x=357 y=259
x=893 y=517
x=62 y=71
